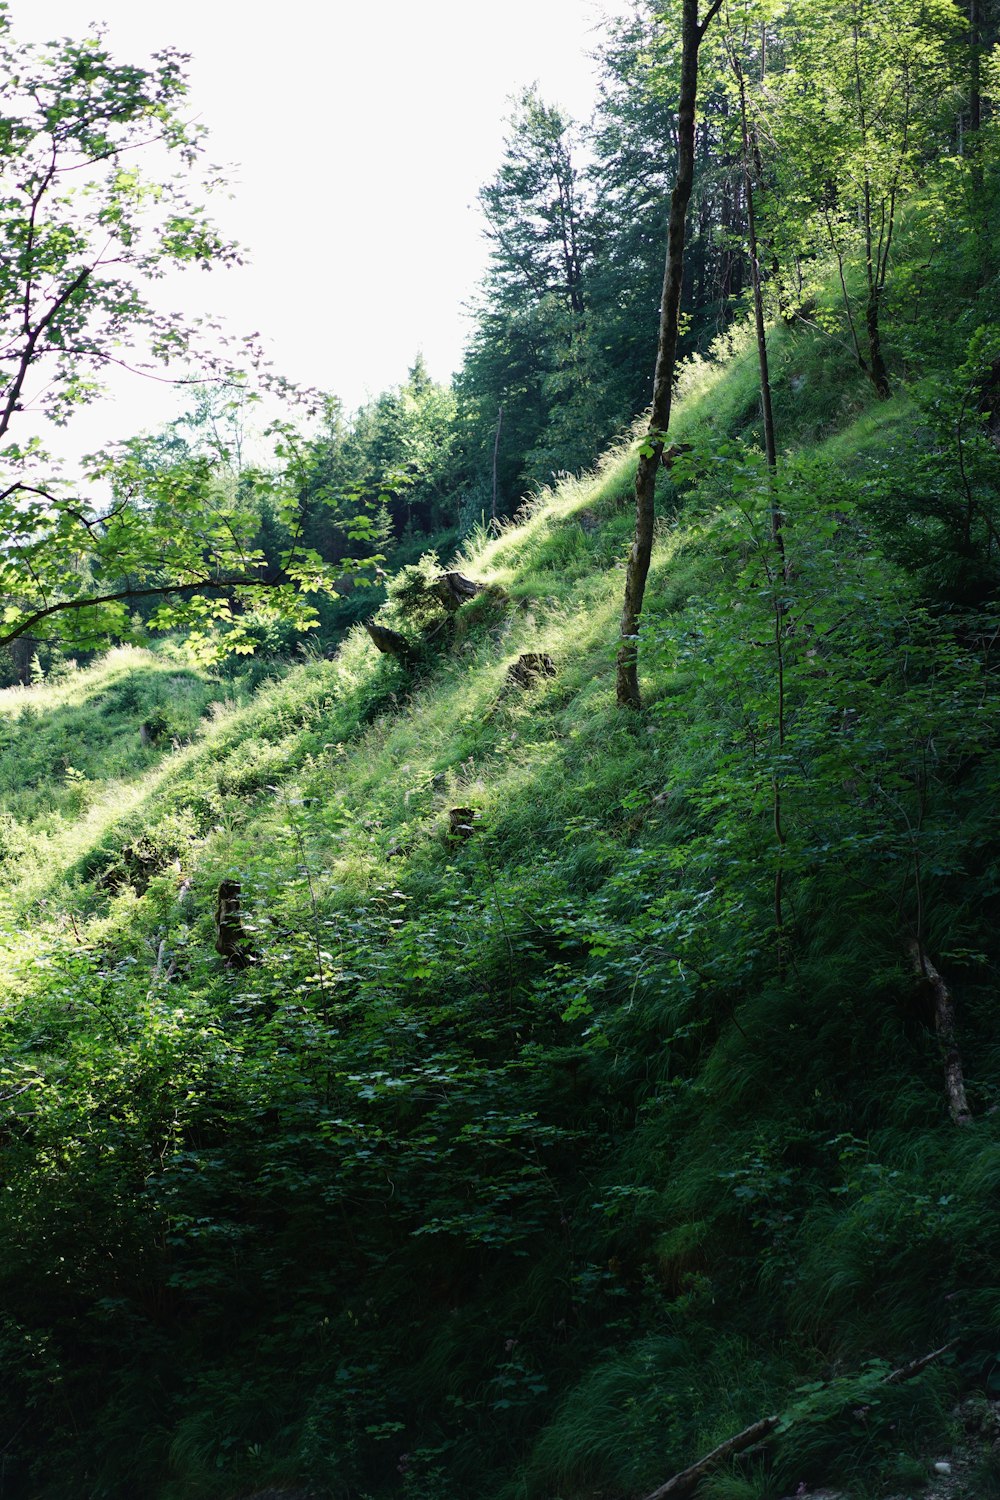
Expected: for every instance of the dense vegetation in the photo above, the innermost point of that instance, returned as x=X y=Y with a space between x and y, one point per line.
x=421 y=1077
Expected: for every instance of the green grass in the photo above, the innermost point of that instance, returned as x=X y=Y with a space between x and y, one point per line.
x=531 y=1163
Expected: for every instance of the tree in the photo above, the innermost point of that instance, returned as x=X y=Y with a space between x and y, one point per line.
x=533 y=208
x=651 y=452
x=634 y=147
x=392 y=460
x=84 y=231
x=527 y=353
x=865 y=104
x=737 y=42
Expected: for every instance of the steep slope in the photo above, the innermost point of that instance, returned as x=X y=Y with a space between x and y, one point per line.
x=574 y=1097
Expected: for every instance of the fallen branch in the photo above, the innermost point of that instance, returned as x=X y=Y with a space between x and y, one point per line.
x=944 y=1025
x=688 y=1480
x=907 y=1372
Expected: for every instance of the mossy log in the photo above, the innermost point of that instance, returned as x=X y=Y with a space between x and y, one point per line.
x=688 y=1480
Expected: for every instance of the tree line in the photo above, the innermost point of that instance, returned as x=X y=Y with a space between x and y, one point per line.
x=822 y=130
x=819 y=128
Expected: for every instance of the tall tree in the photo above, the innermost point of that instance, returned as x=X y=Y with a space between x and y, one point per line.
x=633 y=143
x=651 y=452
x=737 y=45
x=533 y=208
x=527 y=351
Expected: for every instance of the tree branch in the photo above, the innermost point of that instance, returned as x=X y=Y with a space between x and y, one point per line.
x=159 y=591
x=688 y=1479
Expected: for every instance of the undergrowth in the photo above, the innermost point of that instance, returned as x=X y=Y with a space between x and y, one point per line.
x=577 y=1102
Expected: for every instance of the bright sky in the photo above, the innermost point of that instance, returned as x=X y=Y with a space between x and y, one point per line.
x=361 y=134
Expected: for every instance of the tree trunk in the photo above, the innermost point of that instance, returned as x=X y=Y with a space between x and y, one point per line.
x=454 y=589
x=975 y=85
x=496 y=455
x=22 y=650
x=231 y=940
x=767 y=411
x=627 y=679
x=944 y=1025
x=876 y=364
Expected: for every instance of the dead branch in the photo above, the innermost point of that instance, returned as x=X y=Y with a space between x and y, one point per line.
x=944 y=1025
x=688 y=1480
x=675 y=451
x=163 y=971
x=907 y=1372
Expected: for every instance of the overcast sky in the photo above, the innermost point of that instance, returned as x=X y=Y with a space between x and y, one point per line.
x=359 y=135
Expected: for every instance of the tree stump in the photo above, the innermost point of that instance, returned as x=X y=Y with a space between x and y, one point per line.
x=454 y=589
x=390 y=642
x=944 y=1024
x=231 y=940
x=530 y=665
x=461 y=822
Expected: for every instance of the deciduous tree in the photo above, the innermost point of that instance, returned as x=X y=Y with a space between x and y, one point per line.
x=651 y=451
x=102 y=186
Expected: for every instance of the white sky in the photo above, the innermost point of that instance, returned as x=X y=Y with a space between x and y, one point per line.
x=362 y=134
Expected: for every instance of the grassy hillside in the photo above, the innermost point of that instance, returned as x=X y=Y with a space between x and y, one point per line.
x=579 y=1101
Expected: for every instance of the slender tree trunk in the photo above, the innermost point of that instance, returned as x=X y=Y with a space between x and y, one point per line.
x=875 y=366
x=944 y=1025
x=975 y=54
x=704 y=226
x=876 y=363
x=627 y=681
x=724 y=275
x=781 y=838
x=751 y=157
x=978 y=27
x=496 y=455
x=767 y=410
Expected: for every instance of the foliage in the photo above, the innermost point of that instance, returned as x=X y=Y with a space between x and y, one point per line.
x=935 y=503
x=649 y=1180
x=86 y=228
x=532 y=1153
